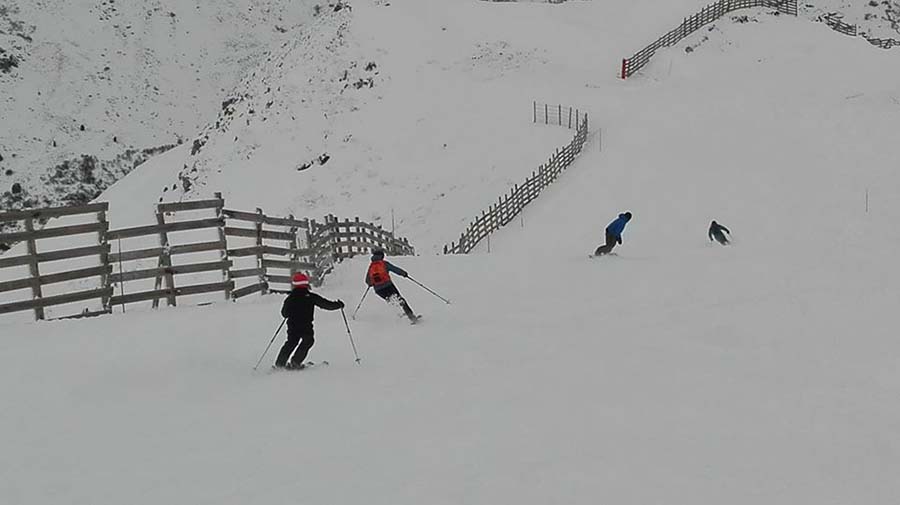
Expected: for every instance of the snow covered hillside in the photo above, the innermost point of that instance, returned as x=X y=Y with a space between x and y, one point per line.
x=351 y=107
x=324 y=105
x=674 y=372
x=876 y=18
x=354 y=118
x=89 y=85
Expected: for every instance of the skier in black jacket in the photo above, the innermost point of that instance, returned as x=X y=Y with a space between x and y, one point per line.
x=715 y=231
x=298 y=309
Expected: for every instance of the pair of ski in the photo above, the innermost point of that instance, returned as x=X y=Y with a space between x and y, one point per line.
x=296 y=368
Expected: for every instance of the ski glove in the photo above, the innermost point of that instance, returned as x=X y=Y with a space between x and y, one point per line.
x=341 y=303
x=619 y=240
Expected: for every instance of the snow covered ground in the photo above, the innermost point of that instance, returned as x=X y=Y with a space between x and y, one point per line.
x=676 y=372
x=876 y=19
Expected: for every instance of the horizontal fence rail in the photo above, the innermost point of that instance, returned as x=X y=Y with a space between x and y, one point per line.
x=276 y=248
x=691 y=24
x=835 y=22
x=511 y=204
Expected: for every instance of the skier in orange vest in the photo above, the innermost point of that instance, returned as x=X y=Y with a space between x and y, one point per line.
x=379 y=277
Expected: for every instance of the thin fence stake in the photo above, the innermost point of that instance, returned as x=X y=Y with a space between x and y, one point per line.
x=34 y=270
x=121 y=271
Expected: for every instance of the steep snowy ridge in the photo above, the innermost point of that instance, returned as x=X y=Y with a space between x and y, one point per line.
x=303 y=70
x=350 y=118
x=330 y=120
x=135 y=75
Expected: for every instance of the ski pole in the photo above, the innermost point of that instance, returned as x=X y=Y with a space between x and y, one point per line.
x=429 y=290
x=270 y=344
x=350 y=335
x=360 y=303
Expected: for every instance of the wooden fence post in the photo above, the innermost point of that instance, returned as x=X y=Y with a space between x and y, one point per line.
x=356 y=230
x=104 y=259
x=33 y=269
x=260 y=255
x=311 y=238
x=310 y=254
x=223 y=252
x=295 y=246
x=557 y=166
x=165 y=261
x=331 y=230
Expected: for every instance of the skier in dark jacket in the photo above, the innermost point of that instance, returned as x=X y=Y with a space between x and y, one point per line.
x=716 y=231
x=298 y=309
x=614 y=234
x=379 y=277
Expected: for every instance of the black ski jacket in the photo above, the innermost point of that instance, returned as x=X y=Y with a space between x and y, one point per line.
x=298 y=309
x=717 y=229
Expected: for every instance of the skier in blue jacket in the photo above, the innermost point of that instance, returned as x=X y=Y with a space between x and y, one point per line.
x=614 y=234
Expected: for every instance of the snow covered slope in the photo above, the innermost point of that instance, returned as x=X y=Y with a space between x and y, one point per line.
x=877 y=19
x=388 y=106
x=309 y=108
x=410 y=108
x=134 y=75
x=677 y=372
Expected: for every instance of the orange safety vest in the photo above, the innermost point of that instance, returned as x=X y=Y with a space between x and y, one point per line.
x=378 y=273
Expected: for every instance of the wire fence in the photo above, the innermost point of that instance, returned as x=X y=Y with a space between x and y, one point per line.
x=510 y=205
x=834 y=21
x=691 y=24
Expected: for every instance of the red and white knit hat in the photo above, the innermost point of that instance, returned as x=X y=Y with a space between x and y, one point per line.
x=300 y=280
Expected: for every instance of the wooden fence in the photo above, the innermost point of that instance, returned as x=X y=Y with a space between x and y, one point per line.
x=34 y=258
x=278 y=247
x=165 y=271
x=834 y=21
x=689 y=25
x=510 y=205
x=276 y=253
